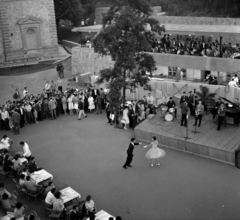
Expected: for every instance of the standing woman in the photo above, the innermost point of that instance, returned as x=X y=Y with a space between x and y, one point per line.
x=125 y=118
x=70 y=104
x=64 y=104
x=91 y=105
x=154 y=153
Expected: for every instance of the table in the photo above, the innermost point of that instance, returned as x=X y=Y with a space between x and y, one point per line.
x=3 y=146
x=102 y=215
x=68 y=194
x=41 y=176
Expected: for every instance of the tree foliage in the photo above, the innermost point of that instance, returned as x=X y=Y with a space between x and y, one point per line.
x=124 y=37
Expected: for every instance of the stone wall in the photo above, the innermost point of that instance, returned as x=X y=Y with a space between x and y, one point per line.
x=86 y=60
x=13 y=11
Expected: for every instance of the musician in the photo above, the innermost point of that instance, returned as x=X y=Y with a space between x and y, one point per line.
x=172 y=104
x=221 y=115
x=199 y=113
x=183 y=97
x=236 y=102
x=214 y=110
x=184 y=109
x=191 y=103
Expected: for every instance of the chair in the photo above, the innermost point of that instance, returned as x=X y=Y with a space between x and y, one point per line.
x=21 y=189
x=15 y=194
x=34 y=213
x=34 y=194
x=55 y=214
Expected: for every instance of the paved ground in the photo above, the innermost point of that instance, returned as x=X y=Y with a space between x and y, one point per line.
x=88 y=155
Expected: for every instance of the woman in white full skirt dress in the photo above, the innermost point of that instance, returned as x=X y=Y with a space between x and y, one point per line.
x=154 y=153
x=125 y=118
x=70 y=103
x=91 y=105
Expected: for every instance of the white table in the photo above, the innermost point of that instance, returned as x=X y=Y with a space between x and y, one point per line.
x=41 y=176
x=102 y=215
x=3 y=146
x=68 y=194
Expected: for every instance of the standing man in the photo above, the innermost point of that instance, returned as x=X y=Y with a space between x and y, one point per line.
x=184 y=109
x=150 y=100
x=102 y=94
x=98 y=104
x=191 y=103
x=26 y=150
x=221 y=115
x=95 y=93
x=5 y=119
x=16 y=95
x=25 y=92
x=59 y=84
x=130 y=153
x=52 y=107
x=198 y=113
x=16 y=119
x=81 y=110
x=183 y=97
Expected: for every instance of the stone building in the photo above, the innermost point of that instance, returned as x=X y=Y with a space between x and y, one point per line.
x=27 y=32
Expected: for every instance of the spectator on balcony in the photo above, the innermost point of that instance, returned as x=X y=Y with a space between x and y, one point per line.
x=232 y=83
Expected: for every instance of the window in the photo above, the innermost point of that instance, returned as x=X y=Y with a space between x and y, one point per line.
x=172 y=72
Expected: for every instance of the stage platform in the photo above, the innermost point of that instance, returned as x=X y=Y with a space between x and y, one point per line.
x=207 y=142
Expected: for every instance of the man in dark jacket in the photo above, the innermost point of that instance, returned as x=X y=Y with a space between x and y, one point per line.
x=130 y=153
x=16 y=118
x=184 y=109
x=81 y=110
x=99 y=104
x=74 y=215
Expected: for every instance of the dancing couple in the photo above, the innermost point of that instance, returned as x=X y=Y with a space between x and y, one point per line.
x=154 y=154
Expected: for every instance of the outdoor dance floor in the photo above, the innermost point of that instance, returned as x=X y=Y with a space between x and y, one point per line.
x=208 y=142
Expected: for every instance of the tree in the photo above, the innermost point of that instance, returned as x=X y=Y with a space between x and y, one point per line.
x=125 y=38
x=205 y=96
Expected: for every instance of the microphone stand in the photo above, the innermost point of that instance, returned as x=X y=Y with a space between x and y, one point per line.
x=195 y=130
x=186 y=138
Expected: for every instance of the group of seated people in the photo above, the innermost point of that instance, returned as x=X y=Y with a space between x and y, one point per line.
x=194 y=47
x=21 y=168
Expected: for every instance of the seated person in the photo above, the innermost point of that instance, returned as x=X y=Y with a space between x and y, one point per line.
x=25 y=171
x=58 y=204
x=22 y=180
x=31 y=217
x=17 y=165
x=19 y=211
x=48 y=188
x=32 y=186
x=7 y=164
x=7 y=203
x=171 y=104
x=50 y=197
x=32 y=166
x=3 y=191
x=90 y=205
x=74 y=215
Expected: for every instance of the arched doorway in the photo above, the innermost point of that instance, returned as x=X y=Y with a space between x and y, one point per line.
x=31 y=39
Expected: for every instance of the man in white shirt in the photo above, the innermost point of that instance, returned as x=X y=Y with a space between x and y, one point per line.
x=50 y=196
x=236 y=79
x=25 y=92
x=6 y=141
x=26 y=151
x=5 y=119
x=150 y=99
x=48 y=86
x=232 y=83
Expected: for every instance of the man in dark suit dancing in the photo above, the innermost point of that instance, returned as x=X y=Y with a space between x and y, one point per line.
x=130 y=153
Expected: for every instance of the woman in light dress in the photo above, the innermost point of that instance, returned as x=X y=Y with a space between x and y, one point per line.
x=64 y=104
x=154 y=153
x=70 y=103
x=125 y=118
x=91 y=105
x=141 y=112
